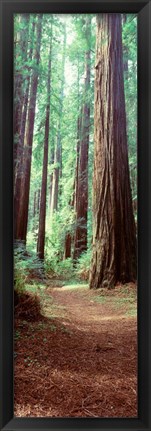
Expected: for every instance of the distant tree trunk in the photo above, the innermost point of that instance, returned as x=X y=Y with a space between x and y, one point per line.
x=51 y=175
x=23 y=216
x=114 y=239
x=57 y=173
x=79 y=126
x=69 y=235
x=42 y=216
x=82 y=159
x=20 y=167
x=55 y=181
x=18 y=85
x=67 y=248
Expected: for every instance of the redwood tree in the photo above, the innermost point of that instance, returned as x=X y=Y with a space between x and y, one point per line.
x=42 y=215
x=24 y=201
x=114 y=237
x=19 y=171
x=21 y=52
x=67 y=246
x=82 y=158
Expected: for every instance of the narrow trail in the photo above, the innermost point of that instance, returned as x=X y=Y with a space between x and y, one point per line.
x=82 y=358
x=82 y=311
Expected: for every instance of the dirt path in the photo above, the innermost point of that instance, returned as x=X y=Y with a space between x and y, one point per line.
x=80 y=360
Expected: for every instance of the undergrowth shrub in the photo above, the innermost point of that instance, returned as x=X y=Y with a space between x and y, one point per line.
x=27 y=303
x=63 y=269
x=83 y=265
x=19 y=279
x=26 y=267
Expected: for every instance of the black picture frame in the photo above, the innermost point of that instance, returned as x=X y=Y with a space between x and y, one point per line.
x=143 y=9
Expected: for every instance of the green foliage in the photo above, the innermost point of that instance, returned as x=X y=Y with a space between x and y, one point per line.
x=61 y=223
x=65 y=269
x=19 y=271
x=26 y=266
x=19 y=279
x=25 y=260
x=130 y=84
x=83 y=265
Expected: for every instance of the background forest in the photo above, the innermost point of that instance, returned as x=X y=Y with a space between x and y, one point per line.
x=75 y=215
x=54 y=69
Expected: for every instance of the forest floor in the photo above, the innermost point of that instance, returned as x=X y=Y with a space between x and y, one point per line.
x=80 y=358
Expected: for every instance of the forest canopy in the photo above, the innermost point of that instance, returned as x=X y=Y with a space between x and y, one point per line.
x=75 y=143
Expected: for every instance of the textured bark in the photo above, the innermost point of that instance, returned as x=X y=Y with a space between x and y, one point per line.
x=114 y=238
x=23 y=215
x=58 y=151
x=82 y=160
x=42 y=215
x=20 y=167
x=18 y=87
x=26 y=96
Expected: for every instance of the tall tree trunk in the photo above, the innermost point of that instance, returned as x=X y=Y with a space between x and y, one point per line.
x=69 y=236
x=18 y=85
x=26 y=96
x=82 y=159
x=42 y=216
x=20 y=167
x=23 y=216
x=67 y=247
x=58 y=151
x=114 y=239
x=79 y=126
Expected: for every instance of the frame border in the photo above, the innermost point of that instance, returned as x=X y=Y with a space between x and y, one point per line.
x=143 y=9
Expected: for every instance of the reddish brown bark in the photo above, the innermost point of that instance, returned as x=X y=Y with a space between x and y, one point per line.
x=67 y=248
x=20 y=149
x=114 y=239
x=23 y=216
x=81 y=193
x=18 y=86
